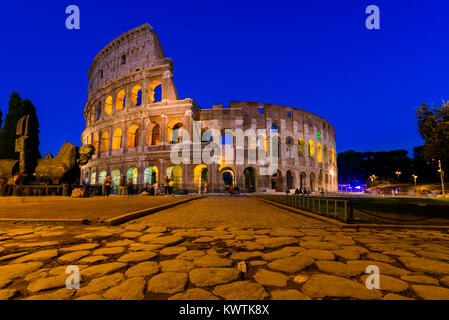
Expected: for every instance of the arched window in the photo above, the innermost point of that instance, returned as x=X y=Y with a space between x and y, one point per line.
x=301 y=146
x=95 y=143
x=117 y=139
x=325 y=155
x=262 y=142
x=155 y=135
x=120 y=102
x=92 y=115
x=227 y=138
x=136 y=96
x=173 y=131
x=104 y=146
x=108 y=105
x=102 y=176
x=311 y=148
x=288 y=147
x=155 y=91
x=132 y=174
x=319 y=152
x=133 y=136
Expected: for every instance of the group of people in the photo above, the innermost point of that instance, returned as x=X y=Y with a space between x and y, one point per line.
x=168 y=186
x=303 y=191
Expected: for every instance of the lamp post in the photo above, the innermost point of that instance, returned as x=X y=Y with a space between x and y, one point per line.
x=440 y=170
x=398 y=173
x=414 y=178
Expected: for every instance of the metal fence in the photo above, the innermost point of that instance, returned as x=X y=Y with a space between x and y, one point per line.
x=328 y=207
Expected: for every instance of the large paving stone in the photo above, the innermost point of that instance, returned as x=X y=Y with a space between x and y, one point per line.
x=100 y=284
x=245 y=255
x=137 y=256
x=285 y=232
x=425 y=265
x=291 y=264
x=176 y=265
x=119 y=243
x=379 y=257
x=38 y=256
x=7 y=294
x=205 y=277
x=156 y=229
x=322 y=245
x=320 y=254
x=275 y=242
x=167 y=240
x=431 y=292
x=387 y=283
x=194 y=294
x=80 y=247
x=212 y=261
x=47 y=283
x=338 y=268
x=168 y=282
x=328 y=286
x=102 y=269
x=241 y=290
x=420 y=279
x=131 y=289
x=73 y=256
x=282 y=253
x=347 y=254
x=61 y=294
x=270 y=278
x=143 y=269
x=107 y=251
x=384 y=268
x=169 y=251
x=290 y=294
x=13 y=271
x=394 y=296
x=93 y=259
x=191 y=255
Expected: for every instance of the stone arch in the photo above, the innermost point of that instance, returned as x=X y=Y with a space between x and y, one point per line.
x=276 y=181
x=320 y=180
x=301 y=146
x=117 y=139
x=200 y=178
x=228 y=175
x=133 y=138
x=250 y=181
x=155 y=91
x=173 y=132
x=104 y=144
x=95 y=143
x=108 y=105
x=150 y=175
x=120 y=100
x=311 y=148
x=132 y=174
x=288 y=147
x=227 y=136
x=325 y=154
x=102 y=176
x=155 y=135
x=262 y=141
x=175 y=172
x=116 y=177
x=290 y=180
x=136 y=95
x=319 y=153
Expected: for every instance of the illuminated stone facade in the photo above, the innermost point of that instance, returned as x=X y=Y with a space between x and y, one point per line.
x=133 y=108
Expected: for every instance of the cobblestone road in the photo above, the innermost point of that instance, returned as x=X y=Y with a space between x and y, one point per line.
x=221 y=248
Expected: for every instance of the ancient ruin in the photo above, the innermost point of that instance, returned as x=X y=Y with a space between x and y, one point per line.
x=133 y=111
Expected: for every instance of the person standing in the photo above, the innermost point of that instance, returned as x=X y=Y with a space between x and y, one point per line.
x=130 y=188
x=107 y=184
x=166 y=185
x=170 y=186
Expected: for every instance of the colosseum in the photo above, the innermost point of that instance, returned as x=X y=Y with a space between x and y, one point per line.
x=133 y=113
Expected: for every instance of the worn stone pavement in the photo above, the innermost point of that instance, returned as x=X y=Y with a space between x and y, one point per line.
x=222 y=248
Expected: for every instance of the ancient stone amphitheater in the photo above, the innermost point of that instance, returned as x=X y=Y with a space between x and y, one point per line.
x=133 y=113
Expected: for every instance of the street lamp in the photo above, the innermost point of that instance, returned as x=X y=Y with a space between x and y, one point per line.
x=440 y=170
x=398 y=173
x=414 y=178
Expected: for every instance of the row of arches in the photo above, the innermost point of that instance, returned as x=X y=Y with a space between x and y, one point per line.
x=136 y=97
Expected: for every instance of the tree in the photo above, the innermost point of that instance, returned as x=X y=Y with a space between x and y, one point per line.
x=433 y=127
x=1 y=118
x=17 y=109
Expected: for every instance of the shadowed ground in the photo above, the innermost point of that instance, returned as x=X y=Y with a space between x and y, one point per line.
x=57 y=207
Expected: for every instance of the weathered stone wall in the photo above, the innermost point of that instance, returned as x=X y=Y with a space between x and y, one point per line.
x=122 y=117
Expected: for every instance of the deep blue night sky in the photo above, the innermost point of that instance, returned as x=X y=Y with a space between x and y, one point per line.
x=316 y=55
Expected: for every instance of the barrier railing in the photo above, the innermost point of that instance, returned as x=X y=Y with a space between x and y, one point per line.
x=328 y=207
